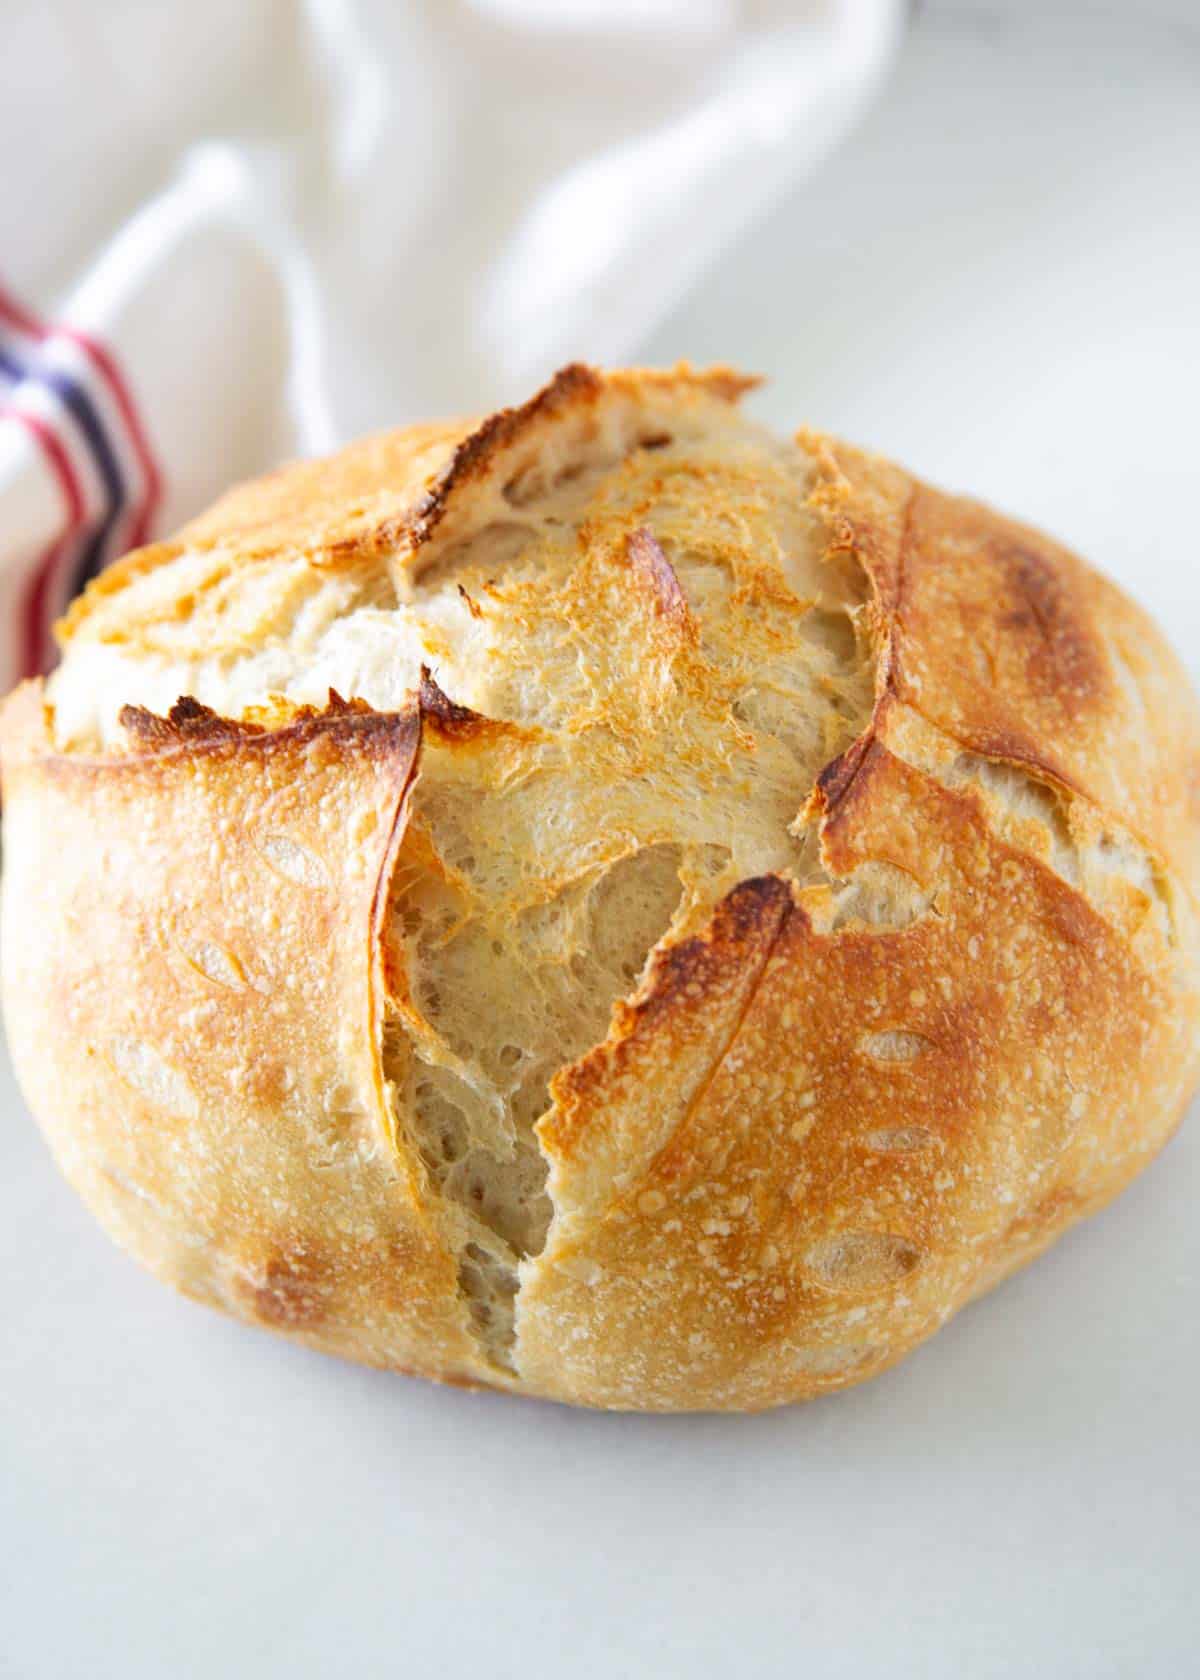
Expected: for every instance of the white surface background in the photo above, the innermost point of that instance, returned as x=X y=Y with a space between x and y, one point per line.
x=998 y=281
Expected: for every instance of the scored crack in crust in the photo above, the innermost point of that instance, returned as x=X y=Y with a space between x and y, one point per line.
x=743 y=908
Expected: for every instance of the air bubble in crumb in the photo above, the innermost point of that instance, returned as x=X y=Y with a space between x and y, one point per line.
x=900 y=1140
x=862 y=1259
x=895 y=1046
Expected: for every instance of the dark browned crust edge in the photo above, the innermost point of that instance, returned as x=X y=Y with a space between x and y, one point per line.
x=190 y=728
x=449 y=720
x=577 y=383
x=573 y=386
x=678 y=975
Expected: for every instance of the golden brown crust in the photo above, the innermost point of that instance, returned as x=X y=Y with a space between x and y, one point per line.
x=1010 y=645
x=893 y=1114
x=196 y=1016
x=845 y=1098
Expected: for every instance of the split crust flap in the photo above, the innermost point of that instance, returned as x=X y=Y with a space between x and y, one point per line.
x=192 y=957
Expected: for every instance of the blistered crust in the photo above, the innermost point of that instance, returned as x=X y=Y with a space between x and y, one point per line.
x=192 y=990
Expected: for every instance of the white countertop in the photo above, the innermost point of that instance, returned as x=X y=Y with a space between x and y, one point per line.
x=998 y=282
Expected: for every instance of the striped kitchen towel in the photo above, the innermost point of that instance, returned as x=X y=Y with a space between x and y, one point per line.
x=63 y=390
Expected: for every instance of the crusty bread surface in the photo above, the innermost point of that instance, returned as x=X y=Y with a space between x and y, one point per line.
x=602 y=902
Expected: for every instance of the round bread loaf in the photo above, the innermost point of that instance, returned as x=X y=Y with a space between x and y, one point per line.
x=603 y=902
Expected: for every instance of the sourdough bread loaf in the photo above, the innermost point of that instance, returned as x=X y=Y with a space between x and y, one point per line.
x=602 y=902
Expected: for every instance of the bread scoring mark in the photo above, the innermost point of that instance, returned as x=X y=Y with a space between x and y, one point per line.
x=1113 y=871
x=486 y=1166
x=884 y=565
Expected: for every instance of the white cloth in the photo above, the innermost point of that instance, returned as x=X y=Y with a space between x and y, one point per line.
x=262 y=228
